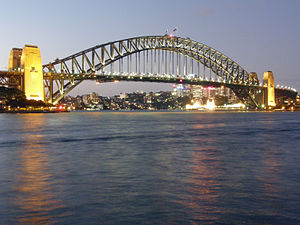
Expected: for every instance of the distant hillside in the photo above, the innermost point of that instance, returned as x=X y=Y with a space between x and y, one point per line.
x=15 y=98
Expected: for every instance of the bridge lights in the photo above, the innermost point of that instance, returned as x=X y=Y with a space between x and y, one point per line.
x=60 y=107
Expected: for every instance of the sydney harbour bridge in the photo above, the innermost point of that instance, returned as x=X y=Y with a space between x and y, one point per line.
x=165 y=59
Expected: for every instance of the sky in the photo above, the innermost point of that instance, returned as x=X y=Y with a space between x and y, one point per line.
x=259 y=35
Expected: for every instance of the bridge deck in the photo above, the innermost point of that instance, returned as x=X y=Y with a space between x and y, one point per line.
x=147 y=78
x=10 y=73
x=144 y=78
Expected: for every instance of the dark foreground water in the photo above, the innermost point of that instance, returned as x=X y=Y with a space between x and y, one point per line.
x=150 y=168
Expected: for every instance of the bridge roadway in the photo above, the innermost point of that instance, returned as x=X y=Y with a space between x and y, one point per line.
x=4 y=74
x=164 y=78
x=160 y=78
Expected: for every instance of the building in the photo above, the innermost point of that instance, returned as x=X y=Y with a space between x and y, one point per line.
x=94 y=98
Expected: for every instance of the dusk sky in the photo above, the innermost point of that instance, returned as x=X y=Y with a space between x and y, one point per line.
x=259 y=35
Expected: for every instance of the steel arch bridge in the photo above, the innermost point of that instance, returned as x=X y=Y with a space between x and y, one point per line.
x=149 y=58
x=165 y=59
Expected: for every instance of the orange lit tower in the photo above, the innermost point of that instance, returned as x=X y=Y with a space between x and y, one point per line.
x=14 y=62
x=31 y=64
x=269 y=95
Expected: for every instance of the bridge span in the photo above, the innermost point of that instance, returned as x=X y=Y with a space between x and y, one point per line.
x=149 y=59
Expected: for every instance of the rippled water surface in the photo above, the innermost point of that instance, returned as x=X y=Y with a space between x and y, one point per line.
x=150 y=168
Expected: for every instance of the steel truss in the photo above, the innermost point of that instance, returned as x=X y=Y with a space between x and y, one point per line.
x=247 y=96
x=159 y=54
x=12 y=79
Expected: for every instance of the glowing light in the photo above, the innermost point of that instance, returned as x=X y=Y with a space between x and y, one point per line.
x=234 y=106
x=210 y=104
x=196 y=105
x=60 y=107
x=116 y=81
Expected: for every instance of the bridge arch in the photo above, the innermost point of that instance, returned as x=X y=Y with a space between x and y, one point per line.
x=95 y=59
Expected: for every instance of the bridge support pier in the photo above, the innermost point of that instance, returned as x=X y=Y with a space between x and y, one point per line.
x=14 y=64
x=29 y=61
x=269 y=92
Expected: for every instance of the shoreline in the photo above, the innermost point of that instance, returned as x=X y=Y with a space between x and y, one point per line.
x=33 y=111
x=126 y=111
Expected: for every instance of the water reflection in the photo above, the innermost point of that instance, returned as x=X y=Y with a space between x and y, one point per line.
x=34 y=195
x=203 y=189
x=271 y=162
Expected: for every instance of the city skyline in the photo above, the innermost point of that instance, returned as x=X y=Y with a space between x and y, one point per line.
x=259 y=35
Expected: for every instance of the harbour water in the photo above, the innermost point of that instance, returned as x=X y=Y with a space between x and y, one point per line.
x=150 y=168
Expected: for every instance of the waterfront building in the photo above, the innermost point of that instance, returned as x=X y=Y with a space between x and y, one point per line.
x=181 y=90
x=86 y=99
x=94 y=98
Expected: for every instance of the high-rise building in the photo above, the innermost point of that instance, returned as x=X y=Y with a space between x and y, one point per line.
x=94 y=98
x=181 y=90
x=85 y=99
x=199 y=93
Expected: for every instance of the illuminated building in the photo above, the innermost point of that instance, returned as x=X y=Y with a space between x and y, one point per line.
x=123 y=96
x=210 y=105
x=2 y=102
x=86 y=99
x=201 y=93
x=196 y=91
x=180 y=90
x=94 y=98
